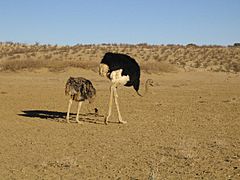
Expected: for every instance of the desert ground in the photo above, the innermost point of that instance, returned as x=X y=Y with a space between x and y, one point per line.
x=186 y=127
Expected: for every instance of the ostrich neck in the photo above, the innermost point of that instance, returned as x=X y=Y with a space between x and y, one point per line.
x=146 y=87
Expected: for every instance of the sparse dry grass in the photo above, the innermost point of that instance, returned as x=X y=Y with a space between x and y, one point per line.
x=53 y=65
x=157 y=67
x=153 y=59
x=15 y=65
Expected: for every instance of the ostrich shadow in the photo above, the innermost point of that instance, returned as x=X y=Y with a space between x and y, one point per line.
x=61 y=116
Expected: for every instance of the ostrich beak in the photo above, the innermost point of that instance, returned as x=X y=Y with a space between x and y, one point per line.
x=151 y=83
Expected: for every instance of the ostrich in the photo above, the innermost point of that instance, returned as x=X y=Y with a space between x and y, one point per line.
x=121 y=69
x=79 y=89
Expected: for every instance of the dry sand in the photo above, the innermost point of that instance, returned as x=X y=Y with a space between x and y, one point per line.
x=188 y=127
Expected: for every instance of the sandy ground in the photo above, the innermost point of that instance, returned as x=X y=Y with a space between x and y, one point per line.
x=188 y=127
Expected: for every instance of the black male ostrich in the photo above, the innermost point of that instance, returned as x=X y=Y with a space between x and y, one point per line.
x=79 y=89
x=121 y=69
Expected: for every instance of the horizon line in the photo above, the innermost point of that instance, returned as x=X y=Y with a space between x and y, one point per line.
x=119 y=44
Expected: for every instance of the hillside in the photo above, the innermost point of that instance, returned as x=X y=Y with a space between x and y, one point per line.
x=152 y=58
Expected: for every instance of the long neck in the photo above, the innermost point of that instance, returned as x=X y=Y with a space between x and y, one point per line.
x=146 y=89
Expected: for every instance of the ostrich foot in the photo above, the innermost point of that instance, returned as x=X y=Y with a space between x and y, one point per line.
x=106 y=120
x=79 y=122
x=123 y=122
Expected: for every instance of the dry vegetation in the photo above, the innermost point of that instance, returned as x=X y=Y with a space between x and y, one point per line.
x=186 y=127
x=152 y=58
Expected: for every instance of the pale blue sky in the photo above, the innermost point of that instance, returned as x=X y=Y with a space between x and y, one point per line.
x=120 y=21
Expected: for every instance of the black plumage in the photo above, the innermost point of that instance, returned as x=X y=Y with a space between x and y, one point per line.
x=121 y=69
x=130 y=67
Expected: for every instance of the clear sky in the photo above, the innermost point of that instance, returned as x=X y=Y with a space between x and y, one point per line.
x=68 y=22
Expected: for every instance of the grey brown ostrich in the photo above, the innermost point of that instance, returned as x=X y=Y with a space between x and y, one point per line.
x=79 y=89
x=121 y=69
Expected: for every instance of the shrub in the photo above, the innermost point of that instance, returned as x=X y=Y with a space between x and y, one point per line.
x=14 y=65
x=157 y=67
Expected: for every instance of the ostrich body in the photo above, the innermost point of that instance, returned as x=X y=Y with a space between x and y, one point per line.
x=79 y=89
x=121 y=69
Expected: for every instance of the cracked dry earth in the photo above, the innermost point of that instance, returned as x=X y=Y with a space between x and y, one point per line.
x=187 y=127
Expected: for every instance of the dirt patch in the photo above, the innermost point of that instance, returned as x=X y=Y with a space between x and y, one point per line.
x=187 y=127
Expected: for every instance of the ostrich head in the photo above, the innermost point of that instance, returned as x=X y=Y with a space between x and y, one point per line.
x=149 y=82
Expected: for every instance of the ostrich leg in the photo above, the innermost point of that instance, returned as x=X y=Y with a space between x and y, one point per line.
x=79 y=107
x=110 y=104
x=117 y=105
x=69 y=108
